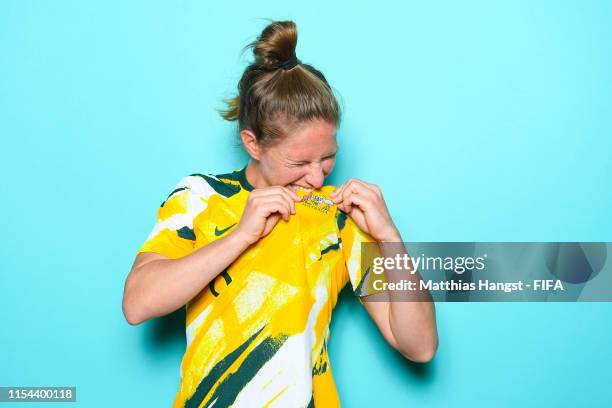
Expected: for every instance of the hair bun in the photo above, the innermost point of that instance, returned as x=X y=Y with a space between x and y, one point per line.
x=275 y=45
x=275 y=94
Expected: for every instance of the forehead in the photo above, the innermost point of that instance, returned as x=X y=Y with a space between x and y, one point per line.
x=310 y=140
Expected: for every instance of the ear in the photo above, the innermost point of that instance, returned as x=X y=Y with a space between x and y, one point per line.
x=250 y=143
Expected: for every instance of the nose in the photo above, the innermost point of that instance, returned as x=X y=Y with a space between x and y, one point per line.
x=315 y=175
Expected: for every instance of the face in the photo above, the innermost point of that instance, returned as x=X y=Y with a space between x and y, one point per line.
x=304 y=158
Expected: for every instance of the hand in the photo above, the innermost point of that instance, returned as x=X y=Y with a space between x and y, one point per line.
x=364 y=203
x=264 y=208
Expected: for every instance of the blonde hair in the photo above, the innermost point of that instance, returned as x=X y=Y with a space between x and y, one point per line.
x=272 y=99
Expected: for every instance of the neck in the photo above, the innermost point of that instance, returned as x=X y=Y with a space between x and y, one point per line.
x=253 y=175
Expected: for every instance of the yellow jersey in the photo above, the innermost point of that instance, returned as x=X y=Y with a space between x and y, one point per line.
x=257 y=335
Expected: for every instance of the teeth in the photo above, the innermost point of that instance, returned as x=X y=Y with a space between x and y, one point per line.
x=296 y=187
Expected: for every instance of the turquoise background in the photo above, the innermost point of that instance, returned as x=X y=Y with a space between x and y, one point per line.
x=481 y=121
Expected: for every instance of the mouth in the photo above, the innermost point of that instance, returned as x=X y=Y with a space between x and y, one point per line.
x=295 y=187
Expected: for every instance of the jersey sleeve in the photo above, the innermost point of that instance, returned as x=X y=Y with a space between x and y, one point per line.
x=355 y=243
x=173 y=234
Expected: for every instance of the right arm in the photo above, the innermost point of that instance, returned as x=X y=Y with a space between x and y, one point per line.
x=158 y=285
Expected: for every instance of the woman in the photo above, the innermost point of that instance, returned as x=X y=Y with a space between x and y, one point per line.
x=259 y=255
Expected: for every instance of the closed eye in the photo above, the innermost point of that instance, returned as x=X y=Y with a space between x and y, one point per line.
x=297 y=164
x=305 y=163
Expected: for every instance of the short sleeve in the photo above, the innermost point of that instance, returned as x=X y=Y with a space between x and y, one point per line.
x=353 y=241
x=173 y=234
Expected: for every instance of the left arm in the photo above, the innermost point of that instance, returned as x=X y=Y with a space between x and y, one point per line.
x=408 y=326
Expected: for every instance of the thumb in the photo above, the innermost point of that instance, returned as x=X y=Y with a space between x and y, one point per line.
x=271 y=221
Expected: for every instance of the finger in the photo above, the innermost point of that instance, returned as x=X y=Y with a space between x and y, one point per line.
x=271 y=221
x=337 y=189
x=289 y=195
x=351 y=183
x=284 y=207
x=342 y=190
x=336 y=195
x=292 y=194
x=360 y=186
x=363 y=189
x=341 y=201
x=281 y=190
x=278 y=194
x=283 y=195
x=355 y=188
x=372 y=187
x=353 y=200
x=270 y=210
x=284 y=190
x=363 y=198
x=276 y=205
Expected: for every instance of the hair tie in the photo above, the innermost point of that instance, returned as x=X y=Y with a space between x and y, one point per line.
x=290 y=63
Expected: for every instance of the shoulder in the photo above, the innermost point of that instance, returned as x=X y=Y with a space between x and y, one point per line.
x=193 y=184
x=192 y=192
x=205 y=185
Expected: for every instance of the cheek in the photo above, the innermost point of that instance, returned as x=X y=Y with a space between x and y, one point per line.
x=290 y=175
x=328 y=165
x=277 y=173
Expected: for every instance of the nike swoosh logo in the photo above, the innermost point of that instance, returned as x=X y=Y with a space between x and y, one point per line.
x=223 y=231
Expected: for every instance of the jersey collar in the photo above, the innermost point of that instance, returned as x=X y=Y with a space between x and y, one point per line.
x=244 y=183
